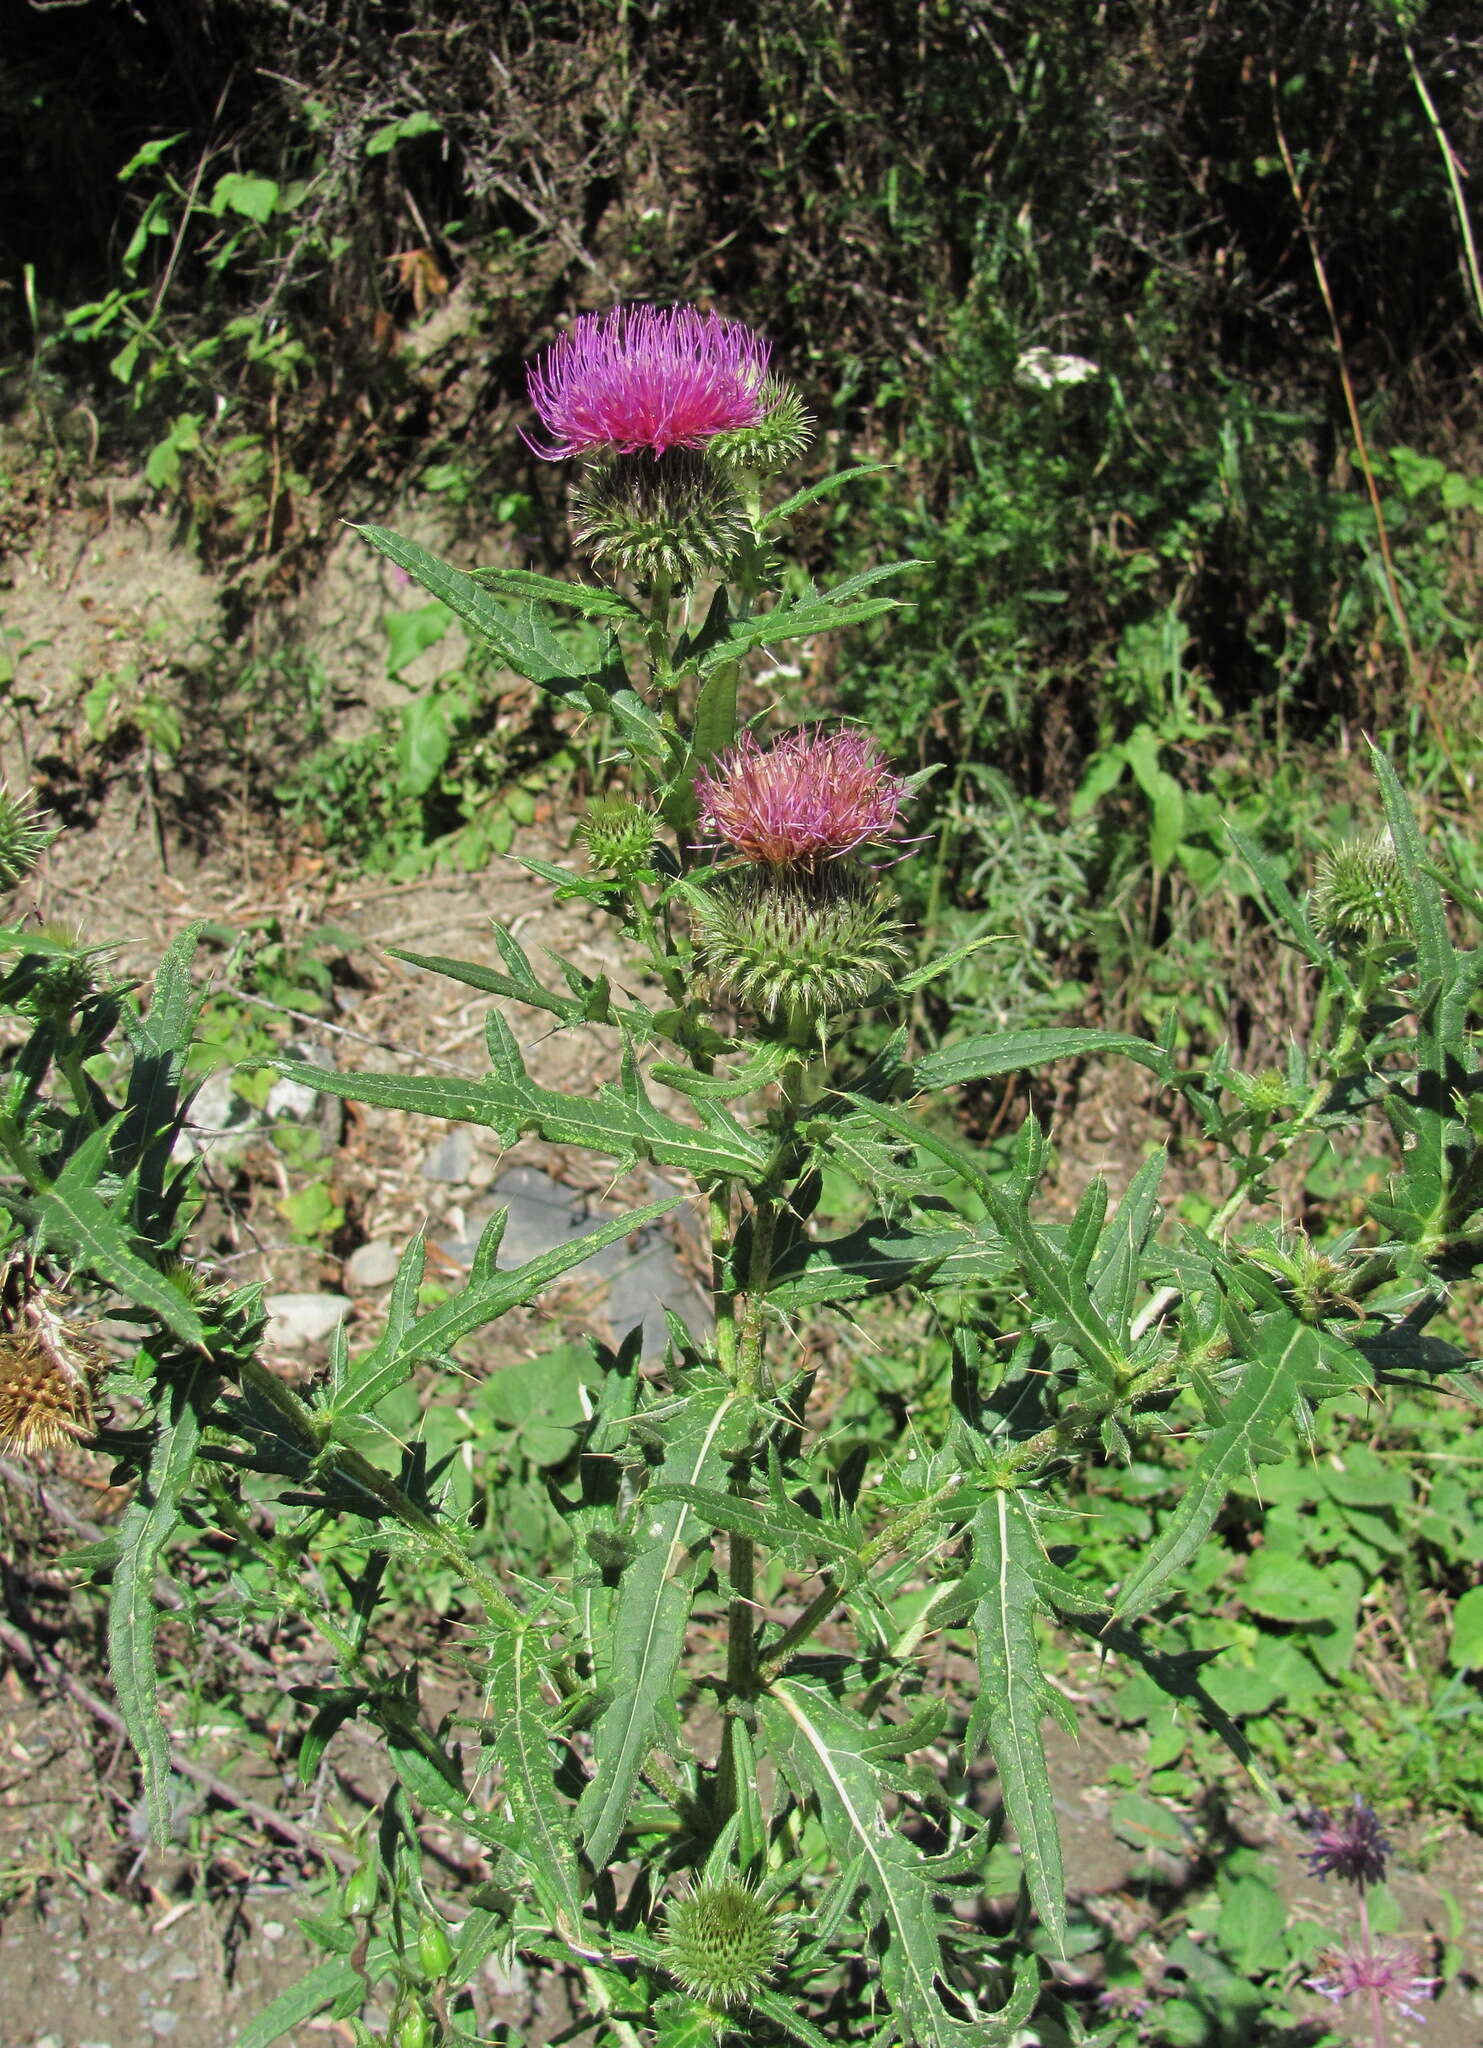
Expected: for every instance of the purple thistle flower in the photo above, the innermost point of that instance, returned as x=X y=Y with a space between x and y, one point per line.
x=1387 y=1974
x=810 y=796
x=642 y=377
x=1353 y=1845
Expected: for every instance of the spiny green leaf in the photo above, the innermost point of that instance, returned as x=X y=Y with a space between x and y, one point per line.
x=520 y=639
x=587 y=598
x=823 y=489
x=326 y=1984
x=649 y=1619
x=1010 y=1052
x=146 y=1527
x=803 y=1539
x=72 y=1214
x=1014 y=1697
x=523 y=1722
x=842 y=606
x=487 y=1295
x=824 y=1748
x=620 y=1121
x=1248 y=1436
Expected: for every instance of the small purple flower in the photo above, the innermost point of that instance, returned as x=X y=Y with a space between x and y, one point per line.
x=1390 y=1972
x=1352 y=1845
x=811 y=796
x=644 y=377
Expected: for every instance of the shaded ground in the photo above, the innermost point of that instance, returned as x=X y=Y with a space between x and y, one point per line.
x=105 y=1942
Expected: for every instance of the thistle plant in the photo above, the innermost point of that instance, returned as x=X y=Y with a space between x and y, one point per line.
x=792 y=1879
x=1375 y=1973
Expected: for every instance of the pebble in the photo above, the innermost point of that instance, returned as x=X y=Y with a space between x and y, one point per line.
x=451 y=1158
x=163 y=2024
x=273 y=1930
x=218 y=1122
x=298 y=1319
x=644 y=1278
x=372 y=1265
x=184 y=1972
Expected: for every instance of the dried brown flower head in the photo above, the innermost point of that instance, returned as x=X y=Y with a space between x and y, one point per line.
x=49 y=1370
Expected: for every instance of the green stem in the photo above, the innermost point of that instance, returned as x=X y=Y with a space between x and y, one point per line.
x=350 y=1466
x=77 y=1080
x=660 y=657
x=893 y=1538
x=723 y=1293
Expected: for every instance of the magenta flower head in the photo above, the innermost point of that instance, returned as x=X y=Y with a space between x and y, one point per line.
x=1351 y=1845
x=1387 y=1974
x=645 y=378
x=809 y=797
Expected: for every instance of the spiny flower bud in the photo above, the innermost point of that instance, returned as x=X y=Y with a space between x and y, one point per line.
x=50 y=1372
x=721 y=1942
x=1358 y=892
x=54 y=977
x=809 y=797
x=1266 y=1093
x=23 y=837
x=796 y=946
x=674 y=517
x=779 y=437
x=618 y=834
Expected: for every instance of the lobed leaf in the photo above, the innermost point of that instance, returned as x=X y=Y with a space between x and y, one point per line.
x=523 y=1749
x=486 y=1295
x=1009 y=1052
x=650 y=1615
x=1014 y=1697
x=1249 y=1435
x=825 y=1749
x=620 y=1122
x=520 y=639
x=147 y=1525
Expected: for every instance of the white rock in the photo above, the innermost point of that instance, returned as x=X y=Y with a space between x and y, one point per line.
x=298 y=1319
x=372 y=1265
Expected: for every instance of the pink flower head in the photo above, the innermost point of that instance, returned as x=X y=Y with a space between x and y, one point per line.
x=1351 y=1844
x=1388 y=1973
x=641 y=377
x=810 y=796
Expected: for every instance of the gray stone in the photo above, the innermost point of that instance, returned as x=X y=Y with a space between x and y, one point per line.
x=372 y=1265
x=451 y=1158
x=293 y=1101
x=163 y=2024
x=298 y=1319
x=218 y=1122
x=643 y=1274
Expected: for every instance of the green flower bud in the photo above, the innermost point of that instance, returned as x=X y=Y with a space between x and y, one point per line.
x=1358 y=893
x=778 y=438
x=798 y=946
x=721 y=1942
x=362 y=1890
x=618 y=834
x=416 y=2029
x=670 y=515
x=434 y=1950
